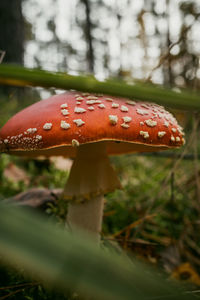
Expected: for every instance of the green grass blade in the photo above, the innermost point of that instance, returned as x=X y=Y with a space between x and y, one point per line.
x=73 y=261
x=20 y=76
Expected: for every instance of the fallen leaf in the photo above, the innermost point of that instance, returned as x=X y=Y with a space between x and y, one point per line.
x=16 y=174
x=186 y=272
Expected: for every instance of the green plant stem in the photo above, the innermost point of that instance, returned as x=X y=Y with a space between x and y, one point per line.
x=20 y=76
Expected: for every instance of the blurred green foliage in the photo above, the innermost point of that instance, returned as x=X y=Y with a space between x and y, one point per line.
x=73 y=262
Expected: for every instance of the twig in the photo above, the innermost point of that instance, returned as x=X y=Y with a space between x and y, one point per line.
x=196 y=169
x=133 y=225
x=188 y=156
x=23 y=286
x=166 y=55
x=19 y=285
x=2 y=54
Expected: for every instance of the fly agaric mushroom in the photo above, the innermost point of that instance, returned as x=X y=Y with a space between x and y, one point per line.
x=88 y=128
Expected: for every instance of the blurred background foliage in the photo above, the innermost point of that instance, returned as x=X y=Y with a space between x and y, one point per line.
x=156 y=216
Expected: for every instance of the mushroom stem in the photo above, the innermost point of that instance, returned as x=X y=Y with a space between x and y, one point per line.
x=87 y=215
x=90 y=178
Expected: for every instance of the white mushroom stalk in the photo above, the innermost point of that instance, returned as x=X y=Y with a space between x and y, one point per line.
x=90 y=178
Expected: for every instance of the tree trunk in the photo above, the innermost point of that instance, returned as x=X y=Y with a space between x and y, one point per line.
x=88 y=36
x=11 y=34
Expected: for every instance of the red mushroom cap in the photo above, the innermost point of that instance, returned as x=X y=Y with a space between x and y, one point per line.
x=57 y=125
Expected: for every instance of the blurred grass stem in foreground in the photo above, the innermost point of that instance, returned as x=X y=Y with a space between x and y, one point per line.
x=20 y=76
x=73 y=262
